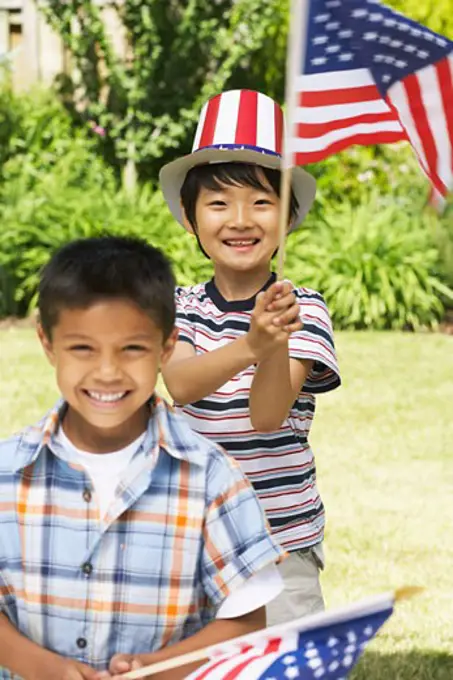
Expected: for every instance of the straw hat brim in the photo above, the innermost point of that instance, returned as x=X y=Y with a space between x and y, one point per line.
x=173 y=174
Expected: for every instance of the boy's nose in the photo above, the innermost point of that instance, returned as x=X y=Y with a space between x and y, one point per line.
x=108 y=368
x=240 y=217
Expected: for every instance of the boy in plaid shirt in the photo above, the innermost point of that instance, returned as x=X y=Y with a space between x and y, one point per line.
x=125 y=537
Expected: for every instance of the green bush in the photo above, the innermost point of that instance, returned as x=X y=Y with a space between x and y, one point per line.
x=36 y=131
x=392 y=171
x=375 y=264
x=55 y=187
x=79 y=198
x=442 y=230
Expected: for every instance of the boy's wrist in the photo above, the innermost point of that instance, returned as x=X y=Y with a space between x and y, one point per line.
x=259 y=355
x=280 y=351
x=249 y=349
x=38 y=664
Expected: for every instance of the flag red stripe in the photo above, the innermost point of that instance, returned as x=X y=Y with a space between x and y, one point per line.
x=273 y=645
x=349 y=95
x=207 y=135
x=445 y=80
x=238 y=669
x=246 y=127
x=312 y=130
x=278 y=116
x=421 y=123
x=385 y=137
x=205 y=674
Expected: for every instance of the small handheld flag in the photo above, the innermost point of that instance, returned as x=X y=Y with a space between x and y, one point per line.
x=325 y=645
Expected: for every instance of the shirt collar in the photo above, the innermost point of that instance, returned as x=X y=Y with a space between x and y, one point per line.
x=235 y=305
x=166 y=428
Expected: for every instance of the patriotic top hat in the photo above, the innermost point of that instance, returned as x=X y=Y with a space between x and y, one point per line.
x=239 y=126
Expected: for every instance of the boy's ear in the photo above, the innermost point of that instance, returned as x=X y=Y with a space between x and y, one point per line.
x=187 y=226
x=169 y=346
x=46 y=344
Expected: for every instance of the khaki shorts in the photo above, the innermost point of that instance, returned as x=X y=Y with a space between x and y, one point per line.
x=302 y=594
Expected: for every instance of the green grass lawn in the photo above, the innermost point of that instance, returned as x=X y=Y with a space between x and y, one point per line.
x=384 y=450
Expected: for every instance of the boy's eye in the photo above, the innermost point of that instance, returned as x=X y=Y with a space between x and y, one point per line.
x=217 y=203
x=81 y=348
x=135 y=348
x=263 y=201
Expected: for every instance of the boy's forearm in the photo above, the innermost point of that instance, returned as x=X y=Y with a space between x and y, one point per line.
x=20 y=655
x=213 y=633
x=195 y=378
x=271 y=394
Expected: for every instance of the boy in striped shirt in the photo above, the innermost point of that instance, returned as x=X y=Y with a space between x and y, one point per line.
x=252 y=352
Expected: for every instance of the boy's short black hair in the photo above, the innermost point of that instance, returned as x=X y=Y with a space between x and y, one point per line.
x=215 y=175
x=89 y=270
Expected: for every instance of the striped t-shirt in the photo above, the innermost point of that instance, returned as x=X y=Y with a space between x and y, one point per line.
x=279 y=464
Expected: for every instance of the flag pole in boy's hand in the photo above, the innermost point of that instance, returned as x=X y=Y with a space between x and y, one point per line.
x=298 y=24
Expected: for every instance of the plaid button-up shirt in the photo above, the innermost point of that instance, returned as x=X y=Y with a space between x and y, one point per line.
x=185 y=529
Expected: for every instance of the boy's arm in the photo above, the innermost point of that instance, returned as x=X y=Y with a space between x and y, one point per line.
x=277 y=382
x=190 y=377
x=29 y=661
x=215 y=632
x=306 y=360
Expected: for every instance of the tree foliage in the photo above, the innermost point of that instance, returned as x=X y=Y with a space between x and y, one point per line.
x=145 y=95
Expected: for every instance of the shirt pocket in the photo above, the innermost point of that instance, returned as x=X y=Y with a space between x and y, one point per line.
x=160 y=590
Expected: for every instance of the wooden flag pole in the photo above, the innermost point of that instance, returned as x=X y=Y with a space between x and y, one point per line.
x=295 y=61
x=168 y=664
x=295 y=57
x=285 y=196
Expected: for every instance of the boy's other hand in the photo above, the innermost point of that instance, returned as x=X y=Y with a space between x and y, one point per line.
x=274 y=318
x=120 y=664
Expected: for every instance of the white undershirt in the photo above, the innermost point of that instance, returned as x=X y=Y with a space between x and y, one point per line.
x=106 y=471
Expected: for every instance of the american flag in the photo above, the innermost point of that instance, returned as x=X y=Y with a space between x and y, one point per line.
x=325 y=646
x=369 y=75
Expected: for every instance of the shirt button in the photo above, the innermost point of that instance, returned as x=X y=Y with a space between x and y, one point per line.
x=86 y=495
x=81 y=643
x=87 y=568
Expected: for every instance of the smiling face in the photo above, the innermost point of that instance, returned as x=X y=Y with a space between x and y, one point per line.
x=107 y=358
x=237 y=225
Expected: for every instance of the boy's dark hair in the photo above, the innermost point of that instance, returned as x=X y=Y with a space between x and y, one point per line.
x=213 y=176
x=89 y=270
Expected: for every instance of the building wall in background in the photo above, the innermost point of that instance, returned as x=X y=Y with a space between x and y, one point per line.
x=34 y=52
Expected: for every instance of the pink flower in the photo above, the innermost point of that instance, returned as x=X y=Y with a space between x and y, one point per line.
x=97 y=129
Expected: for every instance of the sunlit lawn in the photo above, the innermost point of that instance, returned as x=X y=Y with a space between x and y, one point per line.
x=384 y=446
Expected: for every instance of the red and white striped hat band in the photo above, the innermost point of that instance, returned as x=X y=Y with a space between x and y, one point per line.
x=240 y=118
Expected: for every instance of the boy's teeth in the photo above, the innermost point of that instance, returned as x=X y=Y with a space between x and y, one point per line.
x=106 y=397
x=241 y=243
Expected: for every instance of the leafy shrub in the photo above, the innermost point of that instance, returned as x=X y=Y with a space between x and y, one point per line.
x=442 y=230
x=392 y=170
x=79 y=198
x=36 y=131
x=375 y=264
